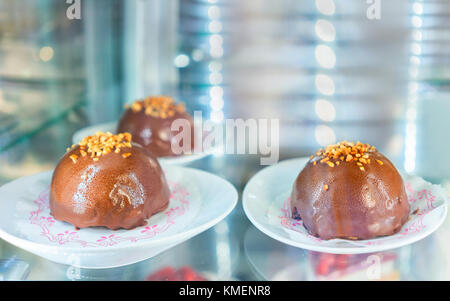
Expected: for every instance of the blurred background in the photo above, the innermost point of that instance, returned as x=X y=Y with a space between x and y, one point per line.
x=322 y=67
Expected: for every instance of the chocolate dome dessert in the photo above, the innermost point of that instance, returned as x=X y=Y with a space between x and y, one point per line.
x=350 y=191
x=150 y=120
x=107 y=181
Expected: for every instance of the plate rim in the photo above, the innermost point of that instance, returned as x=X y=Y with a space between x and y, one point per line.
x=326 y=249
x=25 y=243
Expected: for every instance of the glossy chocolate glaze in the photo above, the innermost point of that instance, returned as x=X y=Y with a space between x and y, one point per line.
x=357 y=204
x=154 y=133
x=113 y=192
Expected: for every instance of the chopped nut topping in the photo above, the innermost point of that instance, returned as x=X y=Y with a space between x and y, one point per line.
x=158 y=106
x=380 y=162
x=74 y=158
x=325 y=187
x=126 y=155
x=102 y=144
x=325 y=160
x=345 y=151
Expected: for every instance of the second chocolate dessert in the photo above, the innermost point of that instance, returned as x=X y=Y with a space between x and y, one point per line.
x=350 y=191
x=150 y=121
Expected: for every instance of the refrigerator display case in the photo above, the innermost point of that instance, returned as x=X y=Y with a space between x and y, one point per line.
x=323 y=68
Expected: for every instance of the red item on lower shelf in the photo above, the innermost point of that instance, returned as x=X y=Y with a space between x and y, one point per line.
x=171 y=274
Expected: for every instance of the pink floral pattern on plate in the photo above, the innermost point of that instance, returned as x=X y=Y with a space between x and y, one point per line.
x=414 y=226
x=179 y=205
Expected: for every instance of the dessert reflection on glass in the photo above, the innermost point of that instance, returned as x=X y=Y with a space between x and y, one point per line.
x=350 y=191
x=354 y=267
x=150 y=121
x=106 y=180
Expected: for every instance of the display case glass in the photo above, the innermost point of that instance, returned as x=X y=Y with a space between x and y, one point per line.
x=325 y=69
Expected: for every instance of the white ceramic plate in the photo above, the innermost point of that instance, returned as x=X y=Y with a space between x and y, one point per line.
x=199 y=200
x=266 y=204
x=112 y=126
